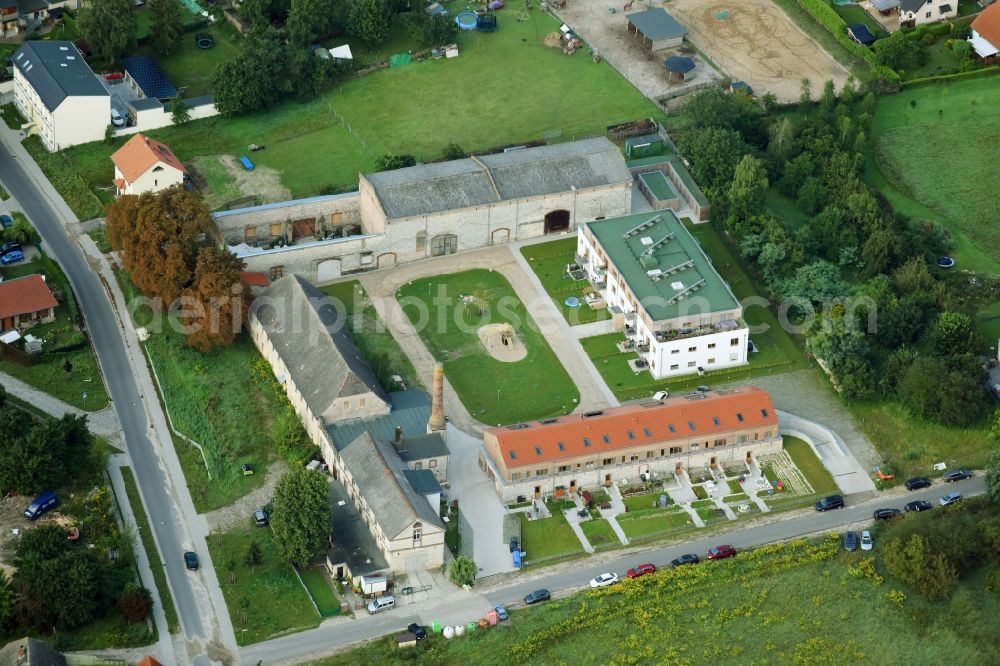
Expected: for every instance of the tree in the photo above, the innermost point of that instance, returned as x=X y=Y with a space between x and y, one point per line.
x=109 y=27
x=180 y=112
x=135 y=603
x=301 y=517
x=953 y=333
x=309 y=19
x=368 y=20
x=817 y=282
x=158 y=237
x=430 y=29
x=714 y=107
x=255 y=556
x=453 y=151
x=217 y=303
x=267 y=70
x=949 y=391
x=914 y=562
x=462 y=571
x=21 y=231
x=41 y=455
x=391 y=162
x=168 y=25
x=7 y=598
x=993 y=477
x=805 y=92
x=714 y=153
x=899 y=52
x=748 y=189
x=67 y=366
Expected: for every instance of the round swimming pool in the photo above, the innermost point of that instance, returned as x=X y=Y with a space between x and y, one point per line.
x=572 y=302
x=466 y=20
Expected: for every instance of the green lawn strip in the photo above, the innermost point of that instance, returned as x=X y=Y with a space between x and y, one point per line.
x=736 y=497
x=190 y=68
x=988 y=322
x=812 y=27
x=532 y=388
x=734 y=486
x=810 y=466
x=62 y=171
x=656 y=524
x=371 y=335
x=549 y=261
x=643 y=502
x=547 y=538
x=270 y=595
x=155 y=563
x=599 y=534
x=11 y=116
x=399 y=110
x=319 y=589
x=910 y=446
x=701 y=503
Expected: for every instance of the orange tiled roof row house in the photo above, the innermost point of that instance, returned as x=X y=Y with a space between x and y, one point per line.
x=622 y=428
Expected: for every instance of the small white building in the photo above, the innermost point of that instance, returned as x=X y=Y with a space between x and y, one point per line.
x=917 y=12
x=62 y=99
x=146 y=165
x=676 y=311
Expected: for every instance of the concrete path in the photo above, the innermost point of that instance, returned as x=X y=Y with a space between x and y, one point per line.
x=603 y=327
x=698 y=522
x=849 y=475
x=617 y=508
x=575 y=526
x=103 y=423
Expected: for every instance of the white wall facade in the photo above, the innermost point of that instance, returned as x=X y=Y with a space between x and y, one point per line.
x=930 y=12
x=76 y=120
x=152 y=180
x=712 y=351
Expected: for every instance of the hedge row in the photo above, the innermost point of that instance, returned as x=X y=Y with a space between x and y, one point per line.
x=943 y=78
x=829 y=19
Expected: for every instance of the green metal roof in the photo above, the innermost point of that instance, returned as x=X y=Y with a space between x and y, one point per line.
x=685 y=274
x=679 y=167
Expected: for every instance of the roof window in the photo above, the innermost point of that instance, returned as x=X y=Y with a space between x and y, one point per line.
x=538 y=450
x=513 y=455
x=691 y=425
x=715 y=420
x=764 y=413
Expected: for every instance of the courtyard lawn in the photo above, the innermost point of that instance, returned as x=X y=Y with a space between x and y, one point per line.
x=269 y=597
x=810 y=466
x=316 y=581
x=532 y=388
x=549 y=261
x=654 y=523
x=416 y=110
x=547 y=538
x=929 y=147
x=371 y=335
x=778 y=353
x=599 y=534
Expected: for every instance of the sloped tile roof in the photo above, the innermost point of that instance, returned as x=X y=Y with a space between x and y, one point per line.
x=987 y=24
x=608 y=431
x=140 y=154
x=25 y=295
x=255 y=278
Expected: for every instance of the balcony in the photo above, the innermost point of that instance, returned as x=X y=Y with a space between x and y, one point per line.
x=709 y=329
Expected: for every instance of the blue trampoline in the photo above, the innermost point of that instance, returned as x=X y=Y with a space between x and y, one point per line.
x=572 y=302
x=467 y=21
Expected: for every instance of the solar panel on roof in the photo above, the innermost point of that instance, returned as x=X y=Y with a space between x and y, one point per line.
x=150 y=78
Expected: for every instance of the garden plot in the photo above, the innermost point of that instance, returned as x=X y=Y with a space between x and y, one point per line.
x=225 y=180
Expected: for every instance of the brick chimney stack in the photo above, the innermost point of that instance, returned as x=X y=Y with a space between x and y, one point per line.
x=436 y=422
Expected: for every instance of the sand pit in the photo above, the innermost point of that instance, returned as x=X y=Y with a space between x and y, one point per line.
x=755 y=41
x=502 y=343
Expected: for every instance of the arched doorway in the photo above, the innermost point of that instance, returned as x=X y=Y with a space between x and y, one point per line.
x=557 y=221
x=386 y=260
x=328 y=269
x=500 y=236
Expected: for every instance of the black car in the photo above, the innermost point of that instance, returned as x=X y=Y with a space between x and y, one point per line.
x=956 y=475
x=918 y=505
x=537 y=596
x=191 y=560
x=886 y=514
x=685 y=559
x=850 y=540
x=6 y=222
x=917 y=483
x=418 y=632
x=831 y=502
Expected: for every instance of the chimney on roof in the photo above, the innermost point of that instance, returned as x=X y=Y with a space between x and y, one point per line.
x=397 y=440
x=436 y=421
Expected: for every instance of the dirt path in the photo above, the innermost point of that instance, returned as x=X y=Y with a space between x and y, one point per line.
x=241 y=511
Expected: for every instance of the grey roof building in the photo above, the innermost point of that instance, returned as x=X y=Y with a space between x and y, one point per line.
x=30 y=652
x=658 y=29
x=488 y=179
x=351 y=543
x=57 y=70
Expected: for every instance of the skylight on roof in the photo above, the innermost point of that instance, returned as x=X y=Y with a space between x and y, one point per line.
x=691 y=425
x=631 y=435
x=647 y=432
x=562 y=447
x=715 y=420
x=739 y=417
x=586 y=441
x=513 y=455
x=763 y=413
x=607 y=440
x=538 y=450
x=671 y=428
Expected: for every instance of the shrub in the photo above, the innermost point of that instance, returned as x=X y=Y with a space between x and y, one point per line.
x=928 y=39
x=135 y=603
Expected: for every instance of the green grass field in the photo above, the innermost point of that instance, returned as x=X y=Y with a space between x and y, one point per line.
x=149 y=544
x=189 y=68
x=810 y=466
x=271 y=596
x=654 y=523
x=321 y=592
x=532 y=388
x=931 y=144
x=599 y=534
x=855 y=14
x=548 y=538
x=774 y=605
x=504 y=88
x=548 y=261
x=371 y=335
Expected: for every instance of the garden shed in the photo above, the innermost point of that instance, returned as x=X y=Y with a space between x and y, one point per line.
x=657 y=29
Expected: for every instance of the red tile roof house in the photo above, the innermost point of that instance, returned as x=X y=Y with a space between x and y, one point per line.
x=985 y=37
x=146 y=165
x=622 y=444
x=24 y=302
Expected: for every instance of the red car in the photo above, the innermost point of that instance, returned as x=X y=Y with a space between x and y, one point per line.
x=640 y=570
x=721 y=552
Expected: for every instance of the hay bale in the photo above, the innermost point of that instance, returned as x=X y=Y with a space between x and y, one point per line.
x=553 y=40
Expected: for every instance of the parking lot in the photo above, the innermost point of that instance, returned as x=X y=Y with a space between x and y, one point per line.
x=121 y=94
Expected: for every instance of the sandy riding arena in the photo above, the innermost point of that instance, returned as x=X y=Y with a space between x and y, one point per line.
x=502 y=342
x=755 y=41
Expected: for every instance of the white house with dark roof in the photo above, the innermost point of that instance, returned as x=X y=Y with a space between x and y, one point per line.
x=59 y=95
x=917 y=12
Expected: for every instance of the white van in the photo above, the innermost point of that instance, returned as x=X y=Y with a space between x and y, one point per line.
x=381 y=604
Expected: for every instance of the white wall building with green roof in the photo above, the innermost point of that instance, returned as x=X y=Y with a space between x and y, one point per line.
x=675 y=310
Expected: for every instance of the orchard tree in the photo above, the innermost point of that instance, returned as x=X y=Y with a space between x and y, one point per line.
x=368 y=20
x=109 y=27
x=216 y=304
x=158 y=236
x=301 y=517
x=946 y=390
x=899 y=52
x=180 y=113
x=430 y=29
x=953 y=333
x=254 y=556
x=168 y=25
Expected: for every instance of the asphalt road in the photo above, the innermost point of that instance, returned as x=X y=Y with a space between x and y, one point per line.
x=105 y=334
x=326 y=639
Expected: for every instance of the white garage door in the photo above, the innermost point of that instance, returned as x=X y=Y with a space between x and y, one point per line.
x=328 y=270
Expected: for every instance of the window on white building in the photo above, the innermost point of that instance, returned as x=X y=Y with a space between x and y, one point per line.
x=733 y=342
x=692 y=349
x=674 y=366
x=432 y=463
x=711 y=361
x=691 y=364
x=711 y=345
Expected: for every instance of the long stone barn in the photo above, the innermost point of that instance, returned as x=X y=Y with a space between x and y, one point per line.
x=433 y=210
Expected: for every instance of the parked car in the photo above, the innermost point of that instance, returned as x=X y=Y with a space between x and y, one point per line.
x=604 y=580
x=418 y=632
x=917 y=483
x=12 y=258
x=918 y=505
x=640 y=570
x=721 y=552
x=660 y=395
x=260 y=518
x=866 y=540
x=501 y=613
x=886 y=514
x=44 y=502
x=690 y=558
x=6 y=221
x=850 y=540
x=950 y=498
x=537 y=596
x=9 y=246
x=381 y=604
x=191 y=560
x=956 y=475
x=831 y=502
x=116 y=118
